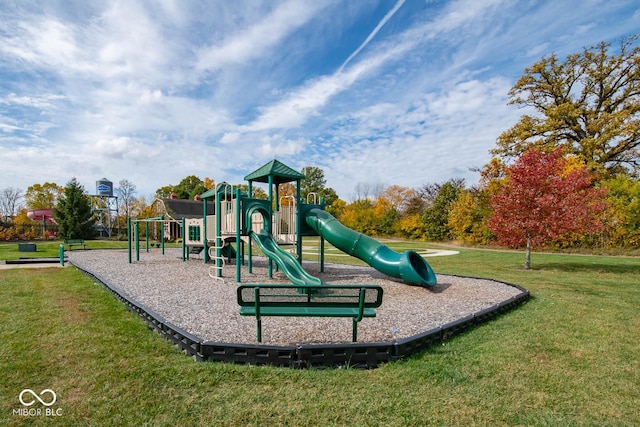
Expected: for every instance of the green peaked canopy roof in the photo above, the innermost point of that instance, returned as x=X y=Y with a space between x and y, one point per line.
x=209 y=193
x=221 y=187
x=279 y=171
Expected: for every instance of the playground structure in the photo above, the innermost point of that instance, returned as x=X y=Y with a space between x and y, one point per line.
x=44 y=216
x=241 y=219
x=236 y=217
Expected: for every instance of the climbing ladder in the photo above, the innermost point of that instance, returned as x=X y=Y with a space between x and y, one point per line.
x=215 y=270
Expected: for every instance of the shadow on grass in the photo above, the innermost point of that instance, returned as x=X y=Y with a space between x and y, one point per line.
x=630 y=266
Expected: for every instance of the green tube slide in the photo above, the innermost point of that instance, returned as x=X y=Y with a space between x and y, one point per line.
x=287 y=262
x=408 y=266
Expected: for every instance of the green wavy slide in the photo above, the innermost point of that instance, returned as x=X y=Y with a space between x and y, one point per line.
x=287 y=262
x=408 y=266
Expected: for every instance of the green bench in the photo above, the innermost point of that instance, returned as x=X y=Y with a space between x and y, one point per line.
x=355 y=301
x=74 y=242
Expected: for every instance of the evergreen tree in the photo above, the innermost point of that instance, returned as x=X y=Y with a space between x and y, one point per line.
x=436 y=217
x=73 y=213
x=315 y=182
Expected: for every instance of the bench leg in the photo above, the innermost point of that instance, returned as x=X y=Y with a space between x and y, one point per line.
x=259 y=331
x=355 y=330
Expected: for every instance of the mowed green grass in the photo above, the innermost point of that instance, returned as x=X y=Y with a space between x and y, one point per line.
x=569 y=356
x=51 y=248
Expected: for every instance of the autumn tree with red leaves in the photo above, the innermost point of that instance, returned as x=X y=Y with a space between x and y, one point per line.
x=546 y=197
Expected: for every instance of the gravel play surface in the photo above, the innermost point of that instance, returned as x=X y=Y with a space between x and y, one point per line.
x=185 y=295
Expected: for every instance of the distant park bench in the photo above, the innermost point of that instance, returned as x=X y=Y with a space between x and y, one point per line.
x=75 y=242
x=355 y=301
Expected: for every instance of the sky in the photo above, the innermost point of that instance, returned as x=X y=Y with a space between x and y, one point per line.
x=382 y=92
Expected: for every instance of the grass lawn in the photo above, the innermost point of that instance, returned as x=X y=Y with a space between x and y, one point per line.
x=51 y=248
x=570 y=356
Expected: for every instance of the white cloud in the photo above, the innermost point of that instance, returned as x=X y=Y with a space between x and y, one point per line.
x=129 y=42
x=123 y=147
x=8 y=128
x=470 y=97
x=45 y=42
x=308 y=100
x=42 y=102
x=153 y=92
x=258 y=38
x=229 y=138
x=294 y=110
x=277 y=145
x=436 y=135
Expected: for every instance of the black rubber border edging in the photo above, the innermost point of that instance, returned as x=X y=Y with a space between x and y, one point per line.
x=357 y=355
x=44 y=260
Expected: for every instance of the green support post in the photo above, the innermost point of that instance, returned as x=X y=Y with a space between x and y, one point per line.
x=256 y=296
x=162 y=233
x=205 y=241
x=129 y=237
x=321 y=255
x=137 y=241
x=270 y=263
x=322 y=242
x=219 y=232
x=276 y=208
x=249 y=247
x=298 y=222
x=239 y=248
x=61 y=255
x=185 y=255
x=146 y=232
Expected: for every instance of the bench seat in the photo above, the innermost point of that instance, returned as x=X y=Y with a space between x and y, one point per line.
x=75 y=242
x=354 y=301
x=308 y=311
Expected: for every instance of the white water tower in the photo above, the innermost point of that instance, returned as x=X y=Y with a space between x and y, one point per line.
x=105 y=208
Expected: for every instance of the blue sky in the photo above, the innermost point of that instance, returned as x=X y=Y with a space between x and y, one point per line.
x=380 y=92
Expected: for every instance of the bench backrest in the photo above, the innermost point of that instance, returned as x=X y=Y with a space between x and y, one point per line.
x=310 y=296
x=74 y=241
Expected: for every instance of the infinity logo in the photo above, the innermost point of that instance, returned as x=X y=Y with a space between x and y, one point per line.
x=37 y=397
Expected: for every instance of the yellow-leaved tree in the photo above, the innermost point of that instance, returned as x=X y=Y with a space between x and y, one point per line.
x=589 y=104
